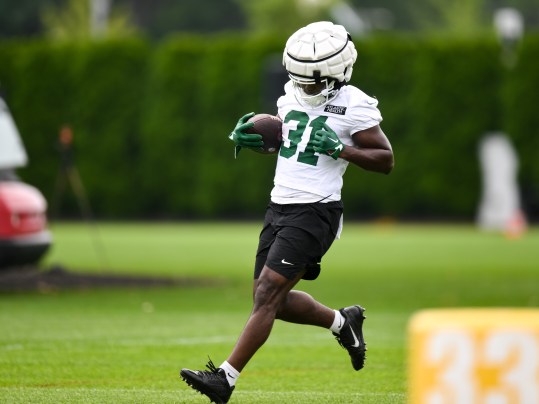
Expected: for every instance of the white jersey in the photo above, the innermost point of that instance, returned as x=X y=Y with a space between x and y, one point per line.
x=301 y=174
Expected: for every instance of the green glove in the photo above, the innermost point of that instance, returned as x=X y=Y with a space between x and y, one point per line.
x=327 y=142
x=242 y=139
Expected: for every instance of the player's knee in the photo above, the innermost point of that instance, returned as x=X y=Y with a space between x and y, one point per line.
x=269 y=295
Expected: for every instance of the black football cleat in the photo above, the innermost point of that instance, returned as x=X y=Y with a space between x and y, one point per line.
x=211 y=382
x=351 y=336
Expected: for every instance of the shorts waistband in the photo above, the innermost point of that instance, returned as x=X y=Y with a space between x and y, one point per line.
x=294 y=206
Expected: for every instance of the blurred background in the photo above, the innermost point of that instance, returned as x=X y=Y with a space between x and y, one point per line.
x=150 y=90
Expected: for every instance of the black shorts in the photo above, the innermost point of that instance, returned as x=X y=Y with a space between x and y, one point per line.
x=296 y=237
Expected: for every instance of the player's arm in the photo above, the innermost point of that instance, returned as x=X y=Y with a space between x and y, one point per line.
x=372 y=151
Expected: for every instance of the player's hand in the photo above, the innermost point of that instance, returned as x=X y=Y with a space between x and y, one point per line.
x=242 y=139
x=327 y=142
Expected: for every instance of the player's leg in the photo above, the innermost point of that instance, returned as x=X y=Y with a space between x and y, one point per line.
x=346 y=324
x=301 y=308
x=219 y=383
x=271 y=292
x=308 y=234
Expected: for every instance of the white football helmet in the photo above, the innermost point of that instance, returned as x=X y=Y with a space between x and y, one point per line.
x=319 y=59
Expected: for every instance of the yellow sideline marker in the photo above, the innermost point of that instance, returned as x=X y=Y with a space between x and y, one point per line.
x=474 y=356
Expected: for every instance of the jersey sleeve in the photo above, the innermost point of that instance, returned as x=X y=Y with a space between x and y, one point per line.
x=363 y=112
x=286 y=100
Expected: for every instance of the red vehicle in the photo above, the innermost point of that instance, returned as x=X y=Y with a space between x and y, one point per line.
x=24 y=237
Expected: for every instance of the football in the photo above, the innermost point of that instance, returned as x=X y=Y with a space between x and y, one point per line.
x=270 y=128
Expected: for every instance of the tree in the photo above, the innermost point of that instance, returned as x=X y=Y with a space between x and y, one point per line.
x=21 y=17
x=461 y=17
x=72 y=21
x=455 y=17
x=270 y=16
x=159 y=18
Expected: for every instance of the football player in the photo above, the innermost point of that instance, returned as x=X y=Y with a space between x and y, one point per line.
x=327 y=124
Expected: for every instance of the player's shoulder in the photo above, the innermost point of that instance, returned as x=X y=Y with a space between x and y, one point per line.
x=360 y=111
x=354 y=97
x=288 y=96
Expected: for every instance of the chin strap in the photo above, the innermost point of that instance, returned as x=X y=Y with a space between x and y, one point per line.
x=338 y=84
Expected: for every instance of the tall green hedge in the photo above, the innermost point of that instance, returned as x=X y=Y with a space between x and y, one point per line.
x=521 y=112
x=151 y=122
x=96 y=90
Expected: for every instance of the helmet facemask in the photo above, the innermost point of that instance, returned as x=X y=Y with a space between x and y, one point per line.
x=312 y=93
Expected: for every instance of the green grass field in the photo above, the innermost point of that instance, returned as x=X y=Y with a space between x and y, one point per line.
x=127 y=345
